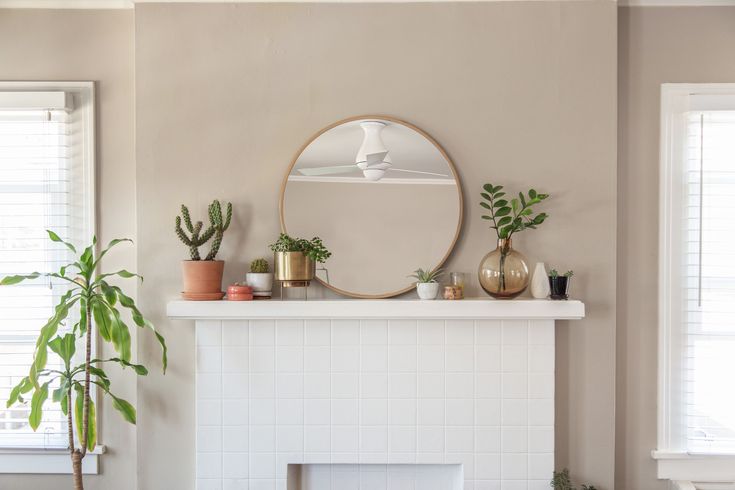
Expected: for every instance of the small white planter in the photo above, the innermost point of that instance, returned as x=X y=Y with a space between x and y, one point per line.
x=427 y=290
x=261 y=282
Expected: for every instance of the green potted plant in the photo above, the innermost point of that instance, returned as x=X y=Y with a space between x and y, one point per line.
x=559 y=284
x=203 y=278
x=503 y=273
x=260 y=278
x=296 y=259
x=98 y=305
x=562 y=481
x=427 y=284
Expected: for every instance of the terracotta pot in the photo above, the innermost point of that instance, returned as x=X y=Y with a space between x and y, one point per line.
x=203 y=276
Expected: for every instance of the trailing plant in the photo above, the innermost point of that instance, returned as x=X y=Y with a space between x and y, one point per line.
x=313 y=248
x=196 y=238
x=424 y=276
x=562 y=481
x=509 y=217
x=259 y=266
x=96 y=303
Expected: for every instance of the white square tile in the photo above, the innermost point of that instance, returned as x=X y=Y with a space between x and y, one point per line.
x=262 y=465
x=209 y=439
x=289 y=332
x=316 y=359
x=460 y=440
x=262 y=438
x=262 y=332
x=345 y=332
x=262 y=411
x=235 y=465
x=317 y=439
x=402 y=458
x=538 y=484
x=262 y=484
x=460 y=332
x=467 y=460
x=374 y=439
x=429 y=458
x=487 y=332
x=541 y=359
x=487 y=440
x=210 y=484
x=402 y=411
x=209 y=386
x=374 y=411
x=431 y=358
x=540 y=440
x=289 y=439
x=235 y=385
x=235 y=438
x=317 y=332
x=487 y=411
x=402 y=332
x=402 y=385
x=402 y=358
x=373 y=458
x=430 y=439
x=487 y=385
x=345 y=385
x=541 y=332
x=430 y=332
x=290 y=385
x=515 y=484
x=373 y=358
x=371 y=480
x=374 y=332
x=289 y=411
x=319 y=457
x=209 y=359
x=460 y=385
x=459 y=358
x=401 y=439
x=209 y=412
x=541 y=386
x=514 y=466
x=344 y=439
x=515 y=332
x=488 y=358
x=487 y=467
x=262 y=359
x=514 y=439
x=460 y=412
x=515 y=385
x=208 y=332
x=431 y=385
x=317 y=412
x=344 y=412
x=262 y=385
x=541 y=412
x=515 y=359
x=514 y=412
x=235 y=359
x=345 y=358
x=235 y=411
x=289 y=359
x=540 y=465
x=235 y=332
x=209 y=465
x=373 y=385
x=431 y=412
x=317 y=385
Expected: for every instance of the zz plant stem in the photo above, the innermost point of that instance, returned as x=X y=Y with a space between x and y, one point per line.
x=97 y=303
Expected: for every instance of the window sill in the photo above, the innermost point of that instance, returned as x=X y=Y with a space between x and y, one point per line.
x=695 y=467
x=46 y=461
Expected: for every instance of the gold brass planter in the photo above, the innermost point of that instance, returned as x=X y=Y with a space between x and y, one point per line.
x=294 y=269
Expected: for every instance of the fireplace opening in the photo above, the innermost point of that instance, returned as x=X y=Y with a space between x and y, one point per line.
x=374 y=477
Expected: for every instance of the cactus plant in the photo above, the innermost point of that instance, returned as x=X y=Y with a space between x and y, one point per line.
x=259 y=266
x=219 y=225
x=197 y=238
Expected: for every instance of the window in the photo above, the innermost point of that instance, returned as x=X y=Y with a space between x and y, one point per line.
x=697 y=283
x=46 y=182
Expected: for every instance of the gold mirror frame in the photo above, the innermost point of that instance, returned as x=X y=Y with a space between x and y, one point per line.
x=410 y=126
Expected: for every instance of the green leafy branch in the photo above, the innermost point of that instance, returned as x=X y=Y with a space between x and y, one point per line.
x=514 y=215
x=313 y=248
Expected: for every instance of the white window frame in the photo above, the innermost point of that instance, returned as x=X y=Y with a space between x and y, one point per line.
x=673 y=461
x=56 y=460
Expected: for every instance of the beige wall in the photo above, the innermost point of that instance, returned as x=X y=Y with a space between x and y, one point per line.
x=519 y=93
x=97 y=46
x=656 y=45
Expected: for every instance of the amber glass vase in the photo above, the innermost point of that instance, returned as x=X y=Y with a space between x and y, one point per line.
x=504 y=271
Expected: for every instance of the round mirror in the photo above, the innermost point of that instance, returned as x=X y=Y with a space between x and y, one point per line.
x=382 y=195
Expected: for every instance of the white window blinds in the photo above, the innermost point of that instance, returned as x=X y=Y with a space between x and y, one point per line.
x=44 y=184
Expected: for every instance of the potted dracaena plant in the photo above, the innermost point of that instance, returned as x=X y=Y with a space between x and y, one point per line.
x=97 y=305
x=503 y=273
x=296 y=259
x=203 y=278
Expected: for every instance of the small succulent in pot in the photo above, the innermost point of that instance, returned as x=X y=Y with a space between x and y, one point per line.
x=260 y=277
x=559 y=284
x=427 y=284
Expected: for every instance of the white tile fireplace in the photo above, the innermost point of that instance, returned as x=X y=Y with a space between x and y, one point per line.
x=375 y=394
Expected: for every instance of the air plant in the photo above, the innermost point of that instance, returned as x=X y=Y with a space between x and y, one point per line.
x=425 y=276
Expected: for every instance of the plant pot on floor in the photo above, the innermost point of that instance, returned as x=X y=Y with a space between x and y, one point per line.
x=427 y=290
x=203 y=279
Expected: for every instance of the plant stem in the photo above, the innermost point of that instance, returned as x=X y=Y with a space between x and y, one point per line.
x=87 y=359
x=76 y=464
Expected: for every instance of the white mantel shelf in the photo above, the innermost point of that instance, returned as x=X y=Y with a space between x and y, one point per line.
x=470 y=308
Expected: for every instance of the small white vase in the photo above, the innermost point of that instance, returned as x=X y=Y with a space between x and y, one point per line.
x=540 y=282
x=427 y=290
x=260 y=281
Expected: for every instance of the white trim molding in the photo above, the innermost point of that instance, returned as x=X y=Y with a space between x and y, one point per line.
x=55 y=461
x=676 y=3
x=129 y=4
